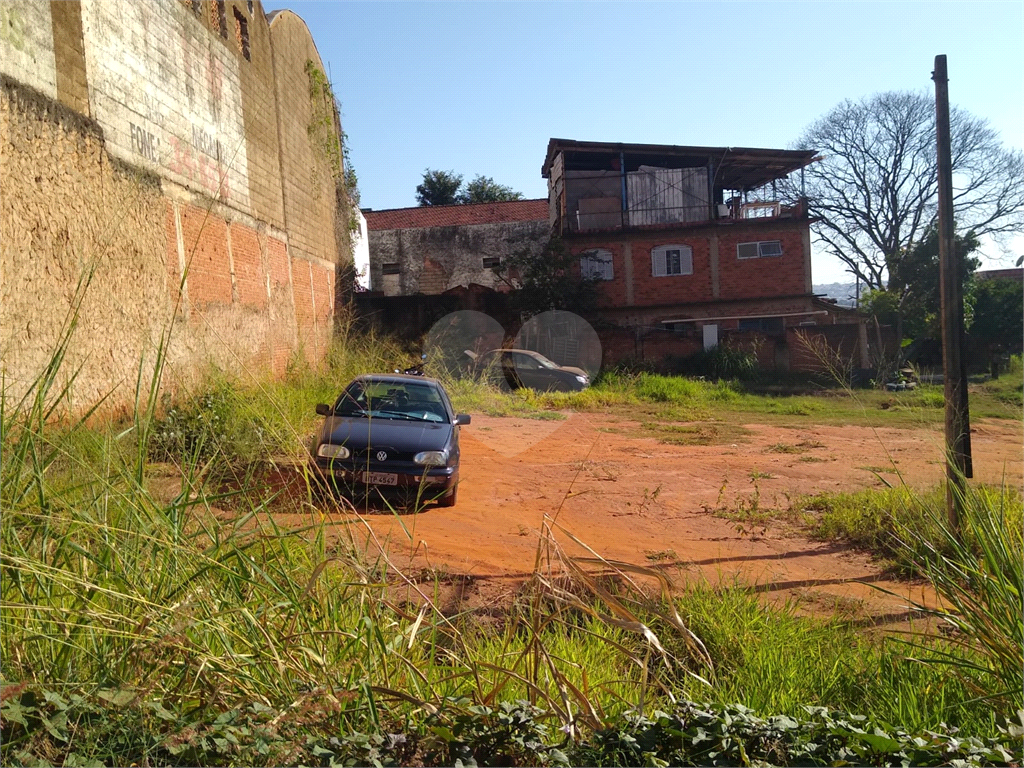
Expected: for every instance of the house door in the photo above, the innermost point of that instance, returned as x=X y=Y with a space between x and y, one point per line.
x=710 y=336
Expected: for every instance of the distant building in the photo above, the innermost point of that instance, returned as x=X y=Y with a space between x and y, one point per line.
x=361 y=253
x=1016 y=273
x=431 y=249
x=691 y=246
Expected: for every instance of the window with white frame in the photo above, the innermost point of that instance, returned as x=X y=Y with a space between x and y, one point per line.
x=597 y=265
x=671 y=260
x=760 y=250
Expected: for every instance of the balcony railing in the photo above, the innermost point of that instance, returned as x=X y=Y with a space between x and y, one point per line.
x=596 y=214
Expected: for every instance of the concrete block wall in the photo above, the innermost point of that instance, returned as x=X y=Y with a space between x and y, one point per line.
x=144 y=147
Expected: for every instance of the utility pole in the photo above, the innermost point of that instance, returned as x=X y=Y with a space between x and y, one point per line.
x=958 y=419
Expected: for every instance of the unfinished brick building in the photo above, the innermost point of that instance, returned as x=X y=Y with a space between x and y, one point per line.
x=185 y=159
x=690 y=244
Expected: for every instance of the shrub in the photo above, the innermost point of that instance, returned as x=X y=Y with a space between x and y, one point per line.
x=720 y=362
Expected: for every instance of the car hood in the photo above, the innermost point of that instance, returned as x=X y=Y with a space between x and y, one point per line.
x=400 y=434
x=574 y=371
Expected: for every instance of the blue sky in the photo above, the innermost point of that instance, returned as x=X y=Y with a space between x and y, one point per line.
x=479 y=88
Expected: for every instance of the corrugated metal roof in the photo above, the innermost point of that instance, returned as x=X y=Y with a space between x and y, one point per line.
x=735 y=167
x=457 y=215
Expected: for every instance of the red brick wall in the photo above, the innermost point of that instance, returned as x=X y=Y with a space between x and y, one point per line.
x=323 y=298
x=277 y=258
x=649 y=346
x=751 y=278
x=206 y=257
x=250 y=281
x=613 y=292
x=737 y=279
x=303 y=298
x=669 y=289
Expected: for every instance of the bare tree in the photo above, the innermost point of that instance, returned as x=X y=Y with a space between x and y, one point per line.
x=875 y=187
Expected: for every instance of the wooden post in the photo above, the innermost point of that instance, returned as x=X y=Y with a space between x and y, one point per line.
x=958 y=420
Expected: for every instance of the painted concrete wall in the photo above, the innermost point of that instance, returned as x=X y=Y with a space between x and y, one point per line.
x=26 y=44
x=143 y=159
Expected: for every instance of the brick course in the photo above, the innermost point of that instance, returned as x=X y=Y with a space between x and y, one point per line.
x=206 y=257
x=250 y=279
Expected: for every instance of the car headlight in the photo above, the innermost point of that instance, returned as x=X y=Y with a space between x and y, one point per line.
x=581 y=379
x=330 y=451
x=431 y=458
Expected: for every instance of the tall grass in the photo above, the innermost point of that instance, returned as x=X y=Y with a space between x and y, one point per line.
x=147 y=600
x=978 y=571
x=110 y=589
x=881 y=520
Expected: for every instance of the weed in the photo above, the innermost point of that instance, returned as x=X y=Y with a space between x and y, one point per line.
x=660 y=555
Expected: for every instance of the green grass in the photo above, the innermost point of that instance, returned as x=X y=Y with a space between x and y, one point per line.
x=877 y=519
x=774 y=660
x=171 y=624
x=647 y=396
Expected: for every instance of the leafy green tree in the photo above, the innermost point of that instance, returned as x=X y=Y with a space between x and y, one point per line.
x=439 y=188
x=484 y=189
x=911 y=303
x=549 y=280
x=998 y=313
x=446 y=188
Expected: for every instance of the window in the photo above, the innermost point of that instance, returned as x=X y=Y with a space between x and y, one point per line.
x=671 y=260
x=242 y=34
x=392 y=268
x=760 y=250
x=597 y=265
x=492 y=262
x=218 y=18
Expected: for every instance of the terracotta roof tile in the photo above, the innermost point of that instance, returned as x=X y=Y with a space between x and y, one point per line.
x=456 y=215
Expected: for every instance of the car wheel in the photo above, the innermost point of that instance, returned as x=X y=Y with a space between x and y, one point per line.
x=448 y=500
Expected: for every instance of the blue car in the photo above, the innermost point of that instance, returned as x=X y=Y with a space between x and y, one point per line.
x=392 y=433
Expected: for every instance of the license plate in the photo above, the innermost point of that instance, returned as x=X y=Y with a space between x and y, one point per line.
x=380 y=478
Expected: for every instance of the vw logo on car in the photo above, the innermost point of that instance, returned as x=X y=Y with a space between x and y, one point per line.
x=382 y=455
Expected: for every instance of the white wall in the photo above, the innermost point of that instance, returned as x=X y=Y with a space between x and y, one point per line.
x=361 y=253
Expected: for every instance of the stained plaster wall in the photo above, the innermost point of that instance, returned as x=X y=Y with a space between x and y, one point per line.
x=143 y=150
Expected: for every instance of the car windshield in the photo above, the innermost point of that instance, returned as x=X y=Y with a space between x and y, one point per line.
x=411 y=401
x=544 y=362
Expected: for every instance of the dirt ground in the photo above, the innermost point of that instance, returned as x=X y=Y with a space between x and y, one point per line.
x=634 y=498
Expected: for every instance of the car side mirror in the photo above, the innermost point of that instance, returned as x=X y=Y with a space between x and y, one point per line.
x=463 y=419
x=323 y=410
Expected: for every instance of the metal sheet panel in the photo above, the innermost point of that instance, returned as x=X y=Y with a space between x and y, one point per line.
x=667 y=195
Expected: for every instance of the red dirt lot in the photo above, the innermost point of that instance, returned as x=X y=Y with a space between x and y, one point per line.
x=633 y=498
